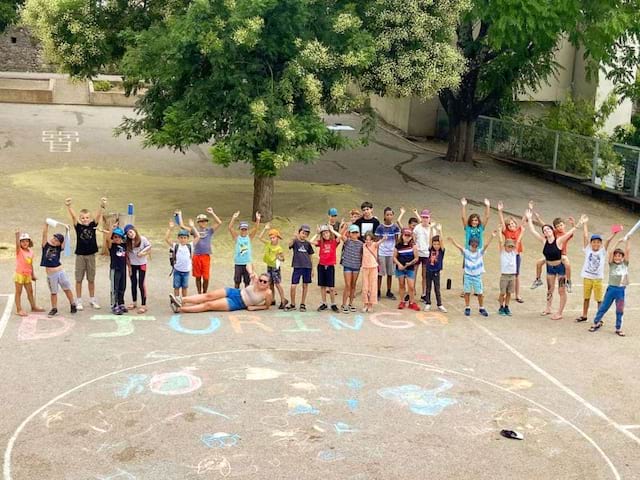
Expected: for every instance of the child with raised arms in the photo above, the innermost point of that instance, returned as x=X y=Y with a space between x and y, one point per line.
x=56 y=276
x=24 y=275
x=327 y=247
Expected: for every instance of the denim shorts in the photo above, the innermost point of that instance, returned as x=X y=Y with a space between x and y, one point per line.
x=350 y=270
x=234 y=299
x=410 y=274
x=275 y=275
x=473 y=283
x=559 y=270
x=180 y=279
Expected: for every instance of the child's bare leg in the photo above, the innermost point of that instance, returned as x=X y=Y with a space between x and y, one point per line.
x=354 y=282
x=518 y=286
x=467 y=296
x=539 y=264
x=305 y=287
x=323 y=294
x=292 y=292
x=185 y=292
x=332 y=295
x=389 y=282
x=502 y=298
x=280 y=291
x=199 y=284
x=507 y=299
x=79 y=289
x=423 y=269
x=585 y=307
x=401 y=288
x=412 y=290
x=562 y=292
x=567 y=267
x=347 y=288
x=92 y=289
x=69 y=294
x=19 y=310
x=54 y=300
x=205 y=285
x=32 y=300
x=176 y=292
x=480 y=300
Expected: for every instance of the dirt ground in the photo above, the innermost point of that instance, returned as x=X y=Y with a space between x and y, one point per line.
x=300 y=395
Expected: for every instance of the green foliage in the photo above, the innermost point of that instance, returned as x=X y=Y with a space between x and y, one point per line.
x=628 y=134
x=9 y=12
x=101 y=85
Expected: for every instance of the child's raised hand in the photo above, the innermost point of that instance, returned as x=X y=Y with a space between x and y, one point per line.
x=192 y=224
x=235 y=214
x=500 y=206
x=178 y=212
x=583 y=219
x=258 y=216
x=572 y=221
x=439 y=227
x=494 y=233
x=487 y=202
x=463 y=202
x=103 y=202
x=530 y=205
x=210 y=211
x=267 y=226
x=67 y=201
x=171 y=224
x=528 y=214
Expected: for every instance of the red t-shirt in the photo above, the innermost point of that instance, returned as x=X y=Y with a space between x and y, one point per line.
x=513 y=235
x=558 y=234
x=327 y=251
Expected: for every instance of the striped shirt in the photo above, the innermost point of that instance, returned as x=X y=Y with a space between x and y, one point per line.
x=352 y=254
x=405 y=254
x=473 y=262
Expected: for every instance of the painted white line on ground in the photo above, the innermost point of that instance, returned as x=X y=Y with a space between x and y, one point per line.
x=8 y=451
x=559 y=384
x=630 y=427
x=7 y=312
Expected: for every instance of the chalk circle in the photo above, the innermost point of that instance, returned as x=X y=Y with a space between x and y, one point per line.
x=174 y=383
x=181 y=382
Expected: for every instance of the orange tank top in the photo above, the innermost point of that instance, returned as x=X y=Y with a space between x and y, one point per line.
x=24 y=262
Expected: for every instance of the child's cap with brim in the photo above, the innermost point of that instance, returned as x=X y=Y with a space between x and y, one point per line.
x=183 y=233
x=324 y=228
x=407 y=231
x=128 y=227
x=354 y=228
x=274 y=232
x=425 y=213
x=201 y=217
x=596 y=236
x=117 y=232
x=25 y=236
x=304 y=228
x=59 y=237
x=475 y=240
x=333 y=212
x=244 y=225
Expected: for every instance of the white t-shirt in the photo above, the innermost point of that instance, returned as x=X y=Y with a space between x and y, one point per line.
x=423 y=239
x=508 y=262
x=183 y=258
x=594 y=263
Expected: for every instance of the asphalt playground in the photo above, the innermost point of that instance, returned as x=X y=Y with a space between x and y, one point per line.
x=291 y=395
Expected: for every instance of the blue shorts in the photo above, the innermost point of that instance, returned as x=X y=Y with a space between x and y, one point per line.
x=518 y=262
x=350 y=270
x=559 y=270
x=410 y=274
x=300 y=273
x=234 y=299
x=473 y=284
x=180 y=279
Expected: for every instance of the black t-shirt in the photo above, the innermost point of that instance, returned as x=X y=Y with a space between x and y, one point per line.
x=118 y=253
x=50 y=255
x=86 y=239
x=370 y=225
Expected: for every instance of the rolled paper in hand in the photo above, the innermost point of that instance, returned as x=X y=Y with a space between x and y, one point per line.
x=51 y=222
x=633 y=230
x=67 y=244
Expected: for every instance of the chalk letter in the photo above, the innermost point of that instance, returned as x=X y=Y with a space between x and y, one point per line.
x=432 y=318
x=124 y=324
x=236 y=323
x=28 y=329
x=298 y=318
x=394 y=323
x=176 y=324
x=340 y=325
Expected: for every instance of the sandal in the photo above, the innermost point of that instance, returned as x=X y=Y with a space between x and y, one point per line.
x=556 y=316
x=544 y=313
x=290 y=307
x=519 y=300
x=581 y=319
x=142 y=309
x=620 y=333
x=595 y=327
x=131 y=306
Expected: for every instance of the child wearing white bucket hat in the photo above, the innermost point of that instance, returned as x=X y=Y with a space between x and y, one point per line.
x=24 y=275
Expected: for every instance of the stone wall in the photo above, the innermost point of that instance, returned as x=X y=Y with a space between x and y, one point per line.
x=21 y=52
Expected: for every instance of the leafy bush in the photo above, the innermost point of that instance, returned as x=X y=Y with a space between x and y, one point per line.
x=102 y=85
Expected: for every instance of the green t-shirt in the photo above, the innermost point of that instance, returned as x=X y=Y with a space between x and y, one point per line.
x=271 y=253
x=619 y=274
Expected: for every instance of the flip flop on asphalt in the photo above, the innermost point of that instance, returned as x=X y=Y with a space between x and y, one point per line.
x=519 y=300
x=595 y=327
x=556 y=316
x=620 y=333
x=581 y=319
x=142 y=309
x=512 y=434
x=544 y=313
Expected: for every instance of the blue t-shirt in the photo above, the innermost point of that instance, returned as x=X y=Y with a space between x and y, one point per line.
x=389 y=234
x=118 y=252
x=474 y=232
x=406 y=254
x=435 y=259
x=242 y=254
x=50 y=256
x=473 y=262
x=203 y=246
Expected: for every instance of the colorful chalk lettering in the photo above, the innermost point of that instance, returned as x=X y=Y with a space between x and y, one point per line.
x=28 y=329
x=420 y=400
x=298 y=318
x=124 y=324
x=220 y=440
x=176 y=325
x=174 y=383
x=338 y=324
x=135 y=384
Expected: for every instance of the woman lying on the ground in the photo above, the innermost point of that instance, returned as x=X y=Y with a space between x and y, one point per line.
x=257 y=296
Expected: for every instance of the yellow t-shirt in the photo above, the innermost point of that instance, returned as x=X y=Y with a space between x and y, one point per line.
x=271 y=253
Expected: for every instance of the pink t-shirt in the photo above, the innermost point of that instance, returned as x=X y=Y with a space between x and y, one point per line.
x=370 y=256
x=327 y=251
x=24 y=262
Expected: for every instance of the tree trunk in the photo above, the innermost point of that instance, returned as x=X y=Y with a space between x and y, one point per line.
x=461 y=138
x=263 y=196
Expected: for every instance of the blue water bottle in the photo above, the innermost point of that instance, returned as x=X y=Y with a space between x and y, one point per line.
x=176 y=218
x=130 y=209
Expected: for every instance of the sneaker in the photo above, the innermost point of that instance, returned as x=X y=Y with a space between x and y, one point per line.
x=175 y=299
x=74 y=308
x=536 y=283
x=352 y=308
x=322 y=307
x=273 y=302
x=95 y=305
x=390 y=295
x=467 y=311
x=568 y=286
x=501 y=311
x=283 y=304
x=442 y=309
x=79 y=306
x=401 y=306
x=424 y=298
x=290 y=307
x=506 y=310
x=124 y=309
x=345 y=309
x=53 y=312
x=378 y=295
x=427 y=307
x=334 y=308
x=303 y=307
x=118 y=310
x=483 y=312
x=414 y=306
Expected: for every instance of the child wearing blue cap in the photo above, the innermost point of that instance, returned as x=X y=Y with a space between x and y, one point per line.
x=242 y=250
x=117 y=269
x=332 y=220
x=181 y=253
x=595 y=258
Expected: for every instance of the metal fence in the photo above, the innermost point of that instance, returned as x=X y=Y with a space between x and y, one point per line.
x=608 y=165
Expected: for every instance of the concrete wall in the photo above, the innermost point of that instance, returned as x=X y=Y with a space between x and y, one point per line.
x=622 y=114
x=21 y=52
x=559 y=85
x=17 y=90
x=413 y=116
x=115 y=98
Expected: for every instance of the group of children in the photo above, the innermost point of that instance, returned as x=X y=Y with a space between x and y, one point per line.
x=370 y=249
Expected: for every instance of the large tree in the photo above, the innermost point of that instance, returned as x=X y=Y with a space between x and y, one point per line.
x=8 y=12
x=253 y=77
x=509 y=47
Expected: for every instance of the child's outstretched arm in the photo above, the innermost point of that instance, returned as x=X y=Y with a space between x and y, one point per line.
x=100 y=211
x=315 y=235
x=438 y=230
x=45 y=233
x=167 y=236
x=216 y=219
x=337 y=235
x=607 y=242
x=17 y=240
x=463 y=211
x=399 y=219
x=72 y=213
x=256 y=226
x=529 y=215
x=293 y=239
x=455 y=244
x=487 y=212
x=486 y=245
x=585 y=233
x=194 y=232
x=567 y=235
x=503 y=225
x=232 y=230
x=260 y=237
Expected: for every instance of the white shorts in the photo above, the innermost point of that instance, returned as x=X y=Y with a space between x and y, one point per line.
x=58 y=279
